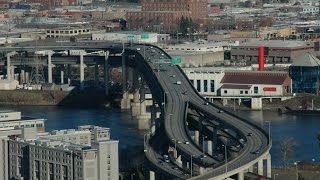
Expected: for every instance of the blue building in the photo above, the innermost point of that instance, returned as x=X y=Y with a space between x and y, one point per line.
x=305 y=74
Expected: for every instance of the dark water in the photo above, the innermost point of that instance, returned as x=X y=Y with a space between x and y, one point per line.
x=303 y=129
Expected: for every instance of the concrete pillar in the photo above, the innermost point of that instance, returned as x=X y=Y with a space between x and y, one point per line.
x=152 y=175
x=27 y=77
x=69 y=71
x=185 y=164
x=250 y=169
x=256 y=103
x=125 y=101
x=224 y=102
x=202 y=170
x=196 y=137
x=106 y=72
x=209 y=147
x=49 y=68
x=239 y=101
x=241 y=175
x=81 y=71
x=22 y=76
x=215 y=139
x=61 y=76
x=12 y=72
x=178 y=160
x=269 y=165
x=260 y=167
x=8 y=66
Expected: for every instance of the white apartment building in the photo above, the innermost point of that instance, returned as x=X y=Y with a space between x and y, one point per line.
x=84 y=154
x=10 y=120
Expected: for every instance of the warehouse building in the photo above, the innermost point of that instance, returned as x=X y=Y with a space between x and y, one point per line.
x=256 y=84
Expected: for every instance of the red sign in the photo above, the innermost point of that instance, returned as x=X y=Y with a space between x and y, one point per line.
x=269 y=89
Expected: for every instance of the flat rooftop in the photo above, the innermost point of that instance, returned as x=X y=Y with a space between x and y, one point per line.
x=277 y=43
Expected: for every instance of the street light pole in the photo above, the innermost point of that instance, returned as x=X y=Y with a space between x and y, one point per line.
x=296 y=164
x=225 y=156
x=203 y=137
x=191 y=164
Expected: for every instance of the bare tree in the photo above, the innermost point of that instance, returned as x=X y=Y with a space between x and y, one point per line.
x=286 y=148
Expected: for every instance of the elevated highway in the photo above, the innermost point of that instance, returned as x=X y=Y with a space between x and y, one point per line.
x=174 y=93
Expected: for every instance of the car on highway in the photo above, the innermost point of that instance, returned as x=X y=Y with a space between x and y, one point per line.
x=185 y=93
x=249 y=134
x=256 y=152
x=178 y=82
x=220 y=111
x=187 y=142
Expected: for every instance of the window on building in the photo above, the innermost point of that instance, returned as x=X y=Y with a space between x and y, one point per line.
x=225 y=91
x=211 y=85
x=198 y=85
x=205 y=85
x=255 y=90
x=246 y=92
x=241 y=92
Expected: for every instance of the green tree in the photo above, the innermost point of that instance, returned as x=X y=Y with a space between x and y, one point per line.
x=186 y=25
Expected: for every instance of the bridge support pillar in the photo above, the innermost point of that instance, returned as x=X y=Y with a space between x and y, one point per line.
x=269 y=165
x=185 y=164
x=125 y=101
x=256 y=103
x=224 y=102
x=153 y=117
x=8 y=66
x=143 y=117
x=22 y=76
x=250 y=169
x=196 y=136
x=81 y=71
x=49 y=68
x=135 y=105
x=27 y=77
x=209 y=147
x=106 y=73
x=62 y=75
x=239 y=101
x=178 y=160
x=12 y=72
x=69 y=73
x=241 y=175
x=152 y=175
x=260 y=167
x=202 y=170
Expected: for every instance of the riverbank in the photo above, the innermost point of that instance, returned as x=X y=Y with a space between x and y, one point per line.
x=89 y=98
x=296 y=102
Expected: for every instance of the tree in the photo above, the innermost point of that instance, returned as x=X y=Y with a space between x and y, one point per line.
x=186 y=25
x=286 y=147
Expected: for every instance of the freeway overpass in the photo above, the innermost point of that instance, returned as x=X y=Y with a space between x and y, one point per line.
x=175 y=150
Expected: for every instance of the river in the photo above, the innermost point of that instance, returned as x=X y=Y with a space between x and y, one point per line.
x=303 y=129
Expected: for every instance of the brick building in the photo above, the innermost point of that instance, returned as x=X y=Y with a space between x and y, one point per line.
x=165 y=14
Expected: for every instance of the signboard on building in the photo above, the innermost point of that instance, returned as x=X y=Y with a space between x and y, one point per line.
x=269 y=89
